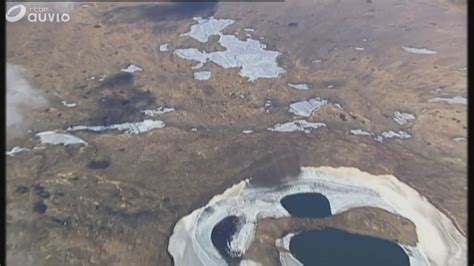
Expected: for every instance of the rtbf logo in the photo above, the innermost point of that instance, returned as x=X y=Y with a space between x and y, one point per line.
x=35 y=14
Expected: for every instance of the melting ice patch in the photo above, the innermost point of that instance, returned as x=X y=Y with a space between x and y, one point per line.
x=247 y=131
x=306 y=107
x=164 y=47
x=158 y=111
x=55 y=138
x=130 y=128
x=453 y=100
x=249 y=55
x=202 y=75
x=393 y=135
x=361 y=132
x=402 y=118
x=297 y=125
x=384 y=135
x=418 y=50
x=458 y=139
x=68 y=104
x=300 y=86
x=16 y=150
x=207 y=27
x=132 y=68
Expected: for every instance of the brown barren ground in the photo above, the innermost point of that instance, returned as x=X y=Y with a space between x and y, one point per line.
x=124 y=214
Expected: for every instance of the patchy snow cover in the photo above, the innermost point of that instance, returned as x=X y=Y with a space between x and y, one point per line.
x=402 y=118
x=300 y=86
x=158 y=111
x=296 y=126
x=55 y=138
x=207 y=27
x=439 y=242
x=395 y=134
x=16 y=150
x=361 y=132
x=247 y=131
x=68 y=104
x=453 y=100
x=164 y=47
x=202 y=75
x=130 y=128
x=418 y=50
x=390 y=134
x=306 y=107
x=459 y=139
x=359 y=48
x=132 y=68
x=249 y=55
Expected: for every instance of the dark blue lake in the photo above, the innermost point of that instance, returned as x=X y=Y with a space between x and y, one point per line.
x=221 y=237
x=314 y=205
x=333 y=247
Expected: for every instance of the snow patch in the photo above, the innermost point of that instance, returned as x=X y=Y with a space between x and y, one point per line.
x=164 y=47
x=402 y=118
x=300 y=86
x=395 y=134
x=55 y=138
x=453 y=100
x=306 y=107
x=249 y=55
x=132 y=68
x=202 y=75
x=130 y=128
x=16 y=150
x=296 y=126
x=361 y=132
x=158 y=111
x=68 y=104
x=423 y=51
x=207 y=27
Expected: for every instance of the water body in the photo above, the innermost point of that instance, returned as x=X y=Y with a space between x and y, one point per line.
x=314 y=205
x=333 y=247
x=221 y=236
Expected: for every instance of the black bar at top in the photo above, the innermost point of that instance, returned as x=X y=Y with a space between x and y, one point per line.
x=148 y=1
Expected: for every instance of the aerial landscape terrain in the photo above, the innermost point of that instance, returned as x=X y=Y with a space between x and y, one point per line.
x=238 y=133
